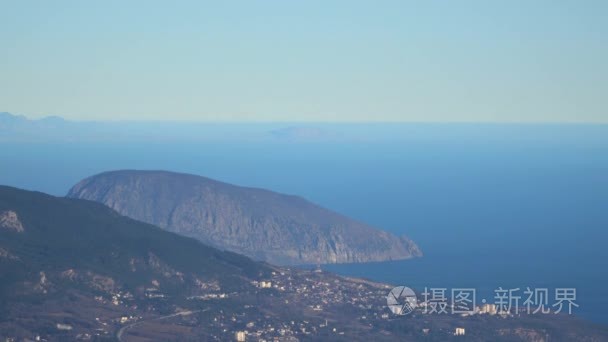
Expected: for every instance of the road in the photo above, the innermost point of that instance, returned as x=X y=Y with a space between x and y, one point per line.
x=122 y=330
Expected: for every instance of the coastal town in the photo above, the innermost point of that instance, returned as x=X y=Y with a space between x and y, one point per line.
x=329 y=306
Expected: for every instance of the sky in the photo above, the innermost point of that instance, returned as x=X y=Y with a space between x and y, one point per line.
x=290 y=61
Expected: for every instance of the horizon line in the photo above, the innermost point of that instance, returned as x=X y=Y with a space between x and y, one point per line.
x=306 y=122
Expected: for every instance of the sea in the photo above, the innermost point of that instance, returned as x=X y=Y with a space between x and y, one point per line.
x=510 y=212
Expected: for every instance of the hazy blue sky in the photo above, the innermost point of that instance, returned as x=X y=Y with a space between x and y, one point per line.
x=528 y=60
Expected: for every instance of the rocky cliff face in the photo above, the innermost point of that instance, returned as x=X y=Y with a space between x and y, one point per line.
x=262 y=224
x=10 y=221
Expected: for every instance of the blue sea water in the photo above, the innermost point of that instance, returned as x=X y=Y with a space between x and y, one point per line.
x=486 y=213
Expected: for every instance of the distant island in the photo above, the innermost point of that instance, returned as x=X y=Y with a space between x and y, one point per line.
x=265 y=225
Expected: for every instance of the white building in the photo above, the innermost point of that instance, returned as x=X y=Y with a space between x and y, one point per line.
x=265 y=284
x=489 y=309
x=240 y=336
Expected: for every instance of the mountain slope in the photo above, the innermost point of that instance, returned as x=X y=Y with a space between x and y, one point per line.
x=39 y=232
x=76 y=270
x=262 y=224
x=69 y=260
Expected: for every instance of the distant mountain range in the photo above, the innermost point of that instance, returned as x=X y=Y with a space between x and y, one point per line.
x=262 y=224
x=21 y=124
x=18 y=128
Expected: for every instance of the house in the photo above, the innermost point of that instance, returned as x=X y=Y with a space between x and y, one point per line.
x=240 y=336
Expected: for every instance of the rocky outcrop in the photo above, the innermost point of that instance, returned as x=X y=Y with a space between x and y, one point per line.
x=10 y=221
x=5 y=254
x=262 y=224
